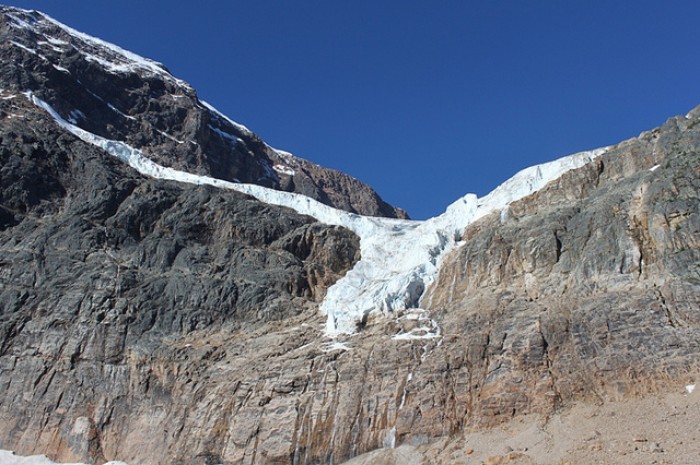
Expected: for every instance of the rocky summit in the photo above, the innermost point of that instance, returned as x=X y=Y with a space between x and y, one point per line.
x=176 y=320
x=118 y=95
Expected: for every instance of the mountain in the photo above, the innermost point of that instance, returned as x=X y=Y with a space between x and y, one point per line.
x=172 y=293
x=118 y=95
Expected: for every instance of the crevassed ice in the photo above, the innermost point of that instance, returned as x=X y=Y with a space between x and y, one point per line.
x=400 y=258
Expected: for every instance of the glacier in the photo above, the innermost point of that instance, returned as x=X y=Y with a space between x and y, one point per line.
x=399 y=258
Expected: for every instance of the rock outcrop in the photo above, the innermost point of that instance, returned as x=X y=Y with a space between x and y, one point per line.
x=157 y=322
x=586 y=289
x=104 y=272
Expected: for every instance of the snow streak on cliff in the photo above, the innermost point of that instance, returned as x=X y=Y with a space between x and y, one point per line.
x=400 y=258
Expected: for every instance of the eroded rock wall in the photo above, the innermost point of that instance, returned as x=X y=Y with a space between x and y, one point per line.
x=587 y=289
x=104 y=272
x=155 y=322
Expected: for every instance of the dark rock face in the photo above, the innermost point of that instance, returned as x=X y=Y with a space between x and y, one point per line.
x=104 y=271
x=109 y=92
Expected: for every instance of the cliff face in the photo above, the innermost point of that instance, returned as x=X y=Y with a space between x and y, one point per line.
x=112 y=283
x=158 y=322
x=589 y=288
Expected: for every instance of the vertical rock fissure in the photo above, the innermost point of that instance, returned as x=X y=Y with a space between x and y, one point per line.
x=558 y=245
x=667 y=311
x=548 y=364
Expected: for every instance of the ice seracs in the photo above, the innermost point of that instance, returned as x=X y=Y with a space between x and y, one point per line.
x=400 y=258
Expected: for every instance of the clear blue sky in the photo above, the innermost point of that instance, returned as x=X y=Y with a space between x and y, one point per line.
x=425 y=101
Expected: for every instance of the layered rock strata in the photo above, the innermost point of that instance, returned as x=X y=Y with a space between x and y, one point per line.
x=105 y=271
x=585 y=290
x=589 y=288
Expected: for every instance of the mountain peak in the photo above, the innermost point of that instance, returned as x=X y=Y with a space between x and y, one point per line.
x=119 y=95
x=57 y=35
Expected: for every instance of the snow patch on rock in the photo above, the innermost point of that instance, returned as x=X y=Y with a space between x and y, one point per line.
x=9 y=458
x=113 y=58
x=217 y=113
x=225 y=135
x=282 y=169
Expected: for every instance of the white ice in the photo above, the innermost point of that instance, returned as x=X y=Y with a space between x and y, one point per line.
x=61 y=69
x=238 y=126
x=285 y=154
x=24 y=47
x=400 y=258
x=119 y=112
x=225 y=135
x=45 y=43
x=18 y=22
x=9 y=458
x=168 y=136
x=75 y=115
x=428 y=329
x=282 y=169
x=55 y=41
x=690 y=388
x=335 y=345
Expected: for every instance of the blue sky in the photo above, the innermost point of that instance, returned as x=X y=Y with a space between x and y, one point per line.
x=425 y=101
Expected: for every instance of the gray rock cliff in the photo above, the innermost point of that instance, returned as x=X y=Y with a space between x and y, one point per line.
x=104 y=273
